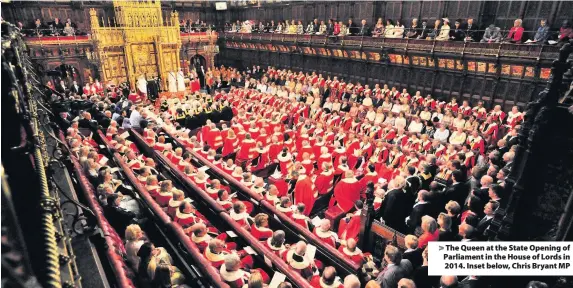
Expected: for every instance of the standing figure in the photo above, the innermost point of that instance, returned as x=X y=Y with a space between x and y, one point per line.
x=180 y=81
x=172 y=79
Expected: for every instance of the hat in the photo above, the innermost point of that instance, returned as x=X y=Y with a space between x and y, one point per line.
x=446 y=20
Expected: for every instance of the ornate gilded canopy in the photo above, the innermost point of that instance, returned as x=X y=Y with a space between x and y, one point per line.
x=140 y=42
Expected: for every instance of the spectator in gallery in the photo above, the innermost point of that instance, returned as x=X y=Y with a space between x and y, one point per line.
x=424 y=30
x=515 y=33
x=444 y=31
x=414 y=30
x=471 y=31
x=378 y=28
x=399 y=29
x=315 y=25
x=434 y=32
x=69 y=30
x=299 y=28
x=352 y=29
x=337 y=30
x=492 y=35
x=310 y=28
x=457 y=34
x=280 y=28
x=321 y=28
x=541 y=34
x=330 y=27
x=292 y=28
x=364 y=29
x=38 y=28
x=389 y=32
x=565 y=32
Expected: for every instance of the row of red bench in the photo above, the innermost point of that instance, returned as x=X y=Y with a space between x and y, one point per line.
x=338 y=260
x=115 y=251
x=201 y=196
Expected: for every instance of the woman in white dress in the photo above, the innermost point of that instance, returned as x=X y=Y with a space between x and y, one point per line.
x=389 y=32
x=444 y=31
x=398 y=30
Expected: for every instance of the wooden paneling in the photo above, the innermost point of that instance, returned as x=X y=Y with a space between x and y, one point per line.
x=502 y=13
x=493 y=84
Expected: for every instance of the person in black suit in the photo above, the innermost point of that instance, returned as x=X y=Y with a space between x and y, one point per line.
x=483 y=191
x=364 y=29
x=421 y=277
x=458 y=191
x=330 y=27
x=508 y=160
x=495 y=193
x=489 y=211
x=471 y=31
x=396 y=268
x=38 y=29
x=315 y=26
x=511 y=138
x=453 y=210
x=445 y=224
x=466 y=232
x=118 y=217
x=424 y=30
x=432 y=167
x=457 y=34
x=396 y=205
x=501 y=148
x=87 y=121
x=75 y=88
x=352 y=29
x=421 y=208
x=413 y=253
x=413 y=181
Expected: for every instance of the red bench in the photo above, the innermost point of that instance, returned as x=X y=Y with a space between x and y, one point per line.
x=338 y=259
x=115 y=249
x=278 y=263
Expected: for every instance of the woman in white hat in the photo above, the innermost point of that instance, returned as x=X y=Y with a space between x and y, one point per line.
x=444 y=31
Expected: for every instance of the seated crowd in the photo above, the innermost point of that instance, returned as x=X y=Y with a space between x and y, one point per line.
x=52 y=28
x=122 y=211
x=441 y=30
x=438 y=168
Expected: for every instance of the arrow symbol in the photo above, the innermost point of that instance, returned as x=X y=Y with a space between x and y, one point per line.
x=441 y=248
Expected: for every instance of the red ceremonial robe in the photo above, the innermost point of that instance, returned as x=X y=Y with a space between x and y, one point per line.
x=349 y=228
x=304 y=193
x=247 y=150
x=325 y=237
x=346 y=193
x=356 y=255
x=317 y=282
x=261 y=233
x=323 y=182
x=370 y=176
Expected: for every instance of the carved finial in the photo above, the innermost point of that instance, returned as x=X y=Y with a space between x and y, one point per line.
x=558 y=68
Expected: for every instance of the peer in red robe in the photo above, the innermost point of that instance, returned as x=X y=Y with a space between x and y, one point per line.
x=247 y=149
x=260 y=229
x=346 y=192
x=324 y=234
x=349 y=226
x=304 y=193
x=325 y=180
x=352 y=252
